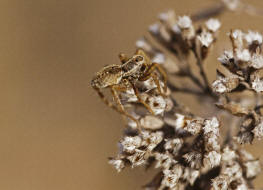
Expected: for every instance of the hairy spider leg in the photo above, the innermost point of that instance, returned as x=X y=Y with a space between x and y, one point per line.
x=121 y=108
x=156 y=81
x=154 y=66
x=140 y=99
x=105 y=100
x=123 y=58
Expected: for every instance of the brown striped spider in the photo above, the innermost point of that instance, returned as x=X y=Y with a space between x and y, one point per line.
x=119 y=78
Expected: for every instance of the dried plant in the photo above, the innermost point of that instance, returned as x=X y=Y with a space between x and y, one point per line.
x=189 y=151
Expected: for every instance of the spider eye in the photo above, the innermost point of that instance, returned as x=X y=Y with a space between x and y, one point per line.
x=138 y=58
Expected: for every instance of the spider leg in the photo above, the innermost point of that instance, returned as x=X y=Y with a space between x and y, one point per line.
x=123 y=58
x=121 y=108
x=156 y=81
x=161 y=71
x=105 y=100
x=140 y=99
x=120 y=88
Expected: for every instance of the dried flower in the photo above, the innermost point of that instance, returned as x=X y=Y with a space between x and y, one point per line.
x=258 y=130
x=171 y=177
x=151 y=122
x=184 y=22
x=253 y=37
x=213 y=24
x=257 y=85
x=130 y=144
x=257 y=61
x=252 y=168
x=206 y=39
x=117 y=163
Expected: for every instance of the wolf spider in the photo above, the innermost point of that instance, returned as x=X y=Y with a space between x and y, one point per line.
x=119 y=78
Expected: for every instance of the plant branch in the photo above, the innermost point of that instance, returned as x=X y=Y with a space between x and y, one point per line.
x=194 y=79
x=202 y=72
x=209 y=12
x=184 y=90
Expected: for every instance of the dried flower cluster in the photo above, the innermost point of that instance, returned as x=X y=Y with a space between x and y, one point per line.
x=238 y=167
x=245 y=65
x=188 y=150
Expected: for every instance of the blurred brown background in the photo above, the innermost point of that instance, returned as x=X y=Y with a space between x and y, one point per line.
x=55 y=133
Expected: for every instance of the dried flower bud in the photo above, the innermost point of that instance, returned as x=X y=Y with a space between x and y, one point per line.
x=159 y=58
x=151 y=139
x=206 y=39
x=257 y=85
x=213 y=24
x=244 y=137
x=257 y=61
x=129 y=144
x=191 y=175
x=156 y=103
x=143 y=44
x=225 y=85
x=117 y=163
x=220 y=183
x=212 y=142
x=211 y=126
x=178 y=121
x=258 y=130
x=155 y=28
x=252 y=168
x=228 y=154
x=151 y=122
x=243 y=55
x=171 y=177
x=173 y=145
x=253 y=37
x=164 y=160
x=231 y=4
x=184 y=22
x=169 y=18
x=169 y=104
x=226 y=58
x=138 y=158
x=212 y=159
x=233 y=170
x=193 y=158
x=187 y=29
x=194 y=126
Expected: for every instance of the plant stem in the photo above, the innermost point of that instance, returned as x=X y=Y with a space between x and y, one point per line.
x=184 y=90
x=195 y=80
x=209 y=12
x=202 y=72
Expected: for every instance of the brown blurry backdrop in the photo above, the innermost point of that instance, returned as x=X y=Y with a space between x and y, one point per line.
x=55 y=133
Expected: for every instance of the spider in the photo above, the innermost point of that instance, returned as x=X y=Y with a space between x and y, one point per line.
x=119 y=78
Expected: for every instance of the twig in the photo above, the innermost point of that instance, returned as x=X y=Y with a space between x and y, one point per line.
x=184 y=90
x=194 y=79
x=209 y=12
x=202 y=72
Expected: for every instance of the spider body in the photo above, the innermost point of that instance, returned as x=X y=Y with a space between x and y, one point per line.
x=114 y=74
x=108 y=76
x=124 y=76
